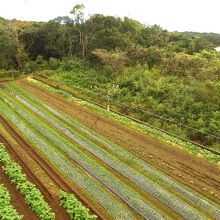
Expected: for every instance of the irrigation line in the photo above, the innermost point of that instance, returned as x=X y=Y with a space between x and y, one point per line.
x=15 y=71
x=20 y=71
x=138 y=121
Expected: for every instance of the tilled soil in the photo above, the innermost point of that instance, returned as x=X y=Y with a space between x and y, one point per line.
x=199 y=175
x=38 y=171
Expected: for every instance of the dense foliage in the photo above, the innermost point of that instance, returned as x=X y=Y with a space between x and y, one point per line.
x=105 y=38
x=175 y=75
x=211 y=37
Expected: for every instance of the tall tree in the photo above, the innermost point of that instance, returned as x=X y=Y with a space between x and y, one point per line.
x=16 y=32
x=79 y=21
x=7 y=47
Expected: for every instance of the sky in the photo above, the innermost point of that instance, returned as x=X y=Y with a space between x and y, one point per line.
x=172 y=15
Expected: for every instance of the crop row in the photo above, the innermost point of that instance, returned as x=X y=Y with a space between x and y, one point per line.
x=107 y=179
x=79 y=178
x=7 y=211
x=192 y=197
x=202 y=203
x=147 y=185
x=33 y=196
x=73 y=207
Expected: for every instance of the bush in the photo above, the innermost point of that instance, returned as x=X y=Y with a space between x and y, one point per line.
x=31 y=66
x=54 y=64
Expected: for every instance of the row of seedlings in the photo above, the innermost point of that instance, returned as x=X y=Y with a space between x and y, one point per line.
x=7 y=211
x=73 y=207
x=33 y=196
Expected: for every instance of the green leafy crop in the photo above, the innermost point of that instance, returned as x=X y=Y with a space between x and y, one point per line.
x=7 y=211
x=73 y=207
x=32 y=195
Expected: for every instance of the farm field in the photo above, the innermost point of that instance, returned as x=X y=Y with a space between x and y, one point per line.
x=116 y=171
x=37 y=170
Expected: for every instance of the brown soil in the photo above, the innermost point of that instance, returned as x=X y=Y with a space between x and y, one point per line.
x=199 y=175
x=52 y=181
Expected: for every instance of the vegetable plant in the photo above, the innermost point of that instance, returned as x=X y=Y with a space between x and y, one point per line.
x=32 y=195
x=7 y=211
x=73 y=207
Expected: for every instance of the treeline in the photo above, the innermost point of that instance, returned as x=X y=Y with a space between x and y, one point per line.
x=175 y=75
x=211 y=37
x=97 y=37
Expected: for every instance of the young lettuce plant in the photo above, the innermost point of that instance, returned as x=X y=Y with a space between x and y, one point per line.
x=33 y=196
x=13 y=170
x=7 y=211
x=73 y=207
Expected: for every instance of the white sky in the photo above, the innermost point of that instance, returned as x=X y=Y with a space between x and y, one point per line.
x=180 y=15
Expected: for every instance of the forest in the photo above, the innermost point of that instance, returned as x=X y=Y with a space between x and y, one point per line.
x=171 y=75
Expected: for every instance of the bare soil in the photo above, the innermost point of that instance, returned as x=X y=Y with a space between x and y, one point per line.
x=199 y=175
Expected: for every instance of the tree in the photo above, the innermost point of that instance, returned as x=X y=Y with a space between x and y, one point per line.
x=7 y=48
x=21 y=56
x=154 y=36
x=78 y=14
x=115 y=58
x=182 y=64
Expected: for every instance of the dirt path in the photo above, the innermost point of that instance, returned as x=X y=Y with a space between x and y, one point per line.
x=201 y=176
x=52 y=176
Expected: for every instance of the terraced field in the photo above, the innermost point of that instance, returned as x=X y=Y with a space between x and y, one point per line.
x=61 y=144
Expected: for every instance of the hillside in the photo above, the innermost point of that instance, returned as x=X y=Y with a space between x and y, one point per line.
x=109 y=162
